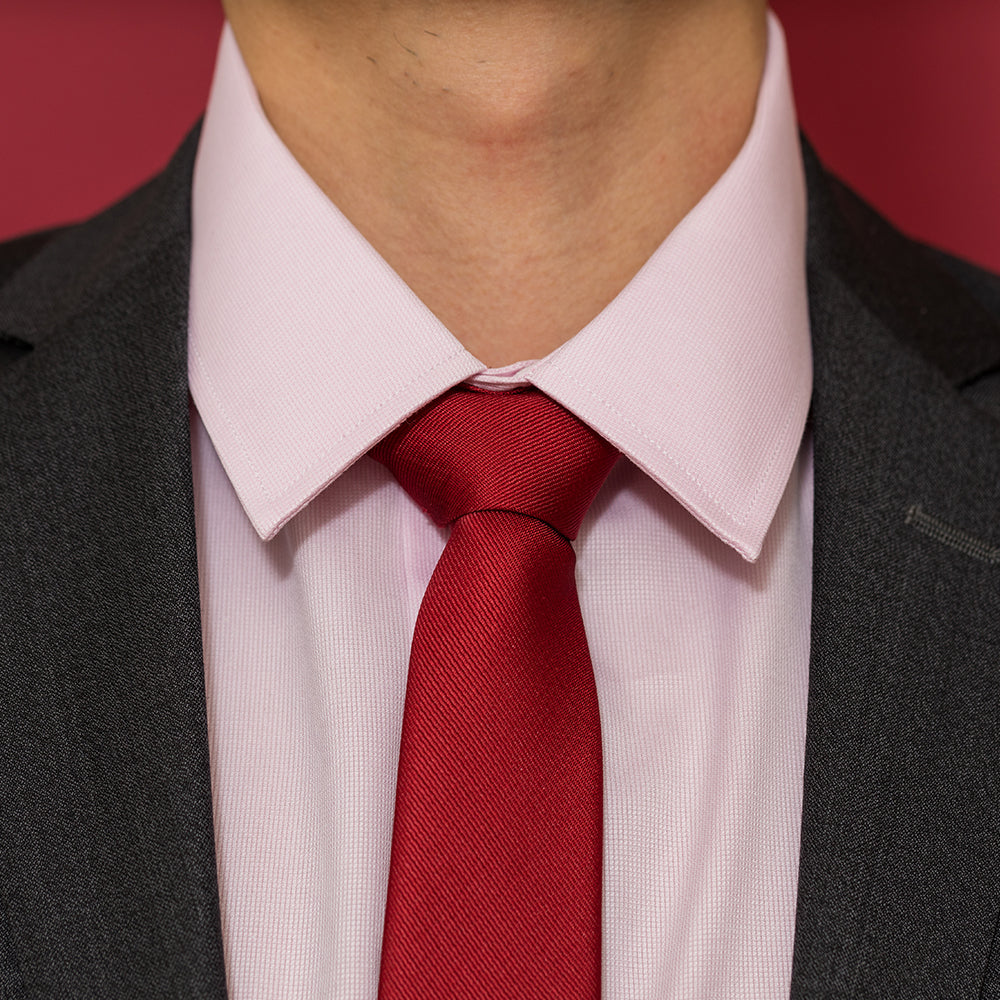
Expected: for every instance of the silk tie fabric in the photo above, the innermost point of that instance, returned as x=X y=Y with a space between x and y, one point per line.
x=495 y=873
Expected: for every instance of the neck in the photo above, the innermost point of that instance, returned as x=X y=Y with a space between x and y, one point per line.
x=515 y=162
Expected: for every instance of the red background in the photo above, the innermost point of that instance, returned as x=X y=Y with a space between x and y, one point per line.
x=900 y=97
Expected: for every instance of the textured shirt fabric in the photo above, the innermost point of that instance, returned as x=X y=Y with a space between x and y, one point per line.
x=694 y=563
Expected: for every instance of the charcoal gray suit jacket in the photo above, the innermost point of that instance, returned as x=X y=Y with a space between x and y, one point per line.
x=106 y=842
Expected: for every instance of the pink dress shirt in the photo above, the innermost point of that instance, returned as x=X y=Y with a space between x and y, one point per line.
x=694 y=563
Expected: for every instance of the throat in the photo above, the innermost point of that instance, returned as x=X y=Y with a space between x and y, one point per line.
x=515 y=163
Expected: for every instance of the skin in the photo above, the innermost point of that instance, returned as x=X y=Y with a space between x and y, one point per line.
x=514 y=161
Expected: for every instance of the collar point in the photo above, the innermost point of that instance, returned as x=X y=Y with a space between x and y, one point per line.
x=750 y=548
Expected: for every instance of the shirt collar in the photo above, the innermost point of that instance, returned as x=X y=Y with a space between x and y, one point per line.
x=305 y=347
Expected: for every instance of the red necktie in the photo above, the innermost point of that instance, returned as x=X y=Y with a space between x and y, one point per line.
x=495 y=876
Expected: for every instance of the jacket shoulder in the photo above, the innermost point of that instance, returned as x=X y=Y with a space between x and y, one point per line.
x=944 y=308
x=982 y=284
x=48 y=277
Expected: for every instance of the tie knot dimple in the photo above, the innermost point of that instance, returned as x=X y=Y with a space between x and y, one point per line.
x=514 y=450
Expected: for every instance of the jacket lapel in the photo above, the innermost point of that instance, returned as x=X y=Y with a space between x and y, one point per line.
x=900 y=856
x=108 y=847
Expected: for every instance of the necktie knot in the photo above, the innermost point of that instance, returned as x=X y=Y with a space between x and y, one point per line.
x=515 y=450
